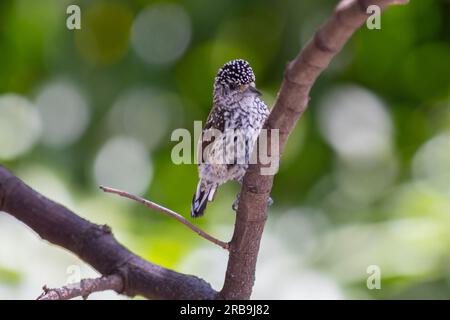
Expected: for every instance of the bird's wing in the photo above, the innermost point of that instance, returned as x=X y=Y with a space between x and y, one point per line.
x=215 y=121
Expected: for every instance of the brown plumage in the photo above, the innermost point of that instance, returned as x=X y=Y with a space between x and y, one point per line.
x=230 y=132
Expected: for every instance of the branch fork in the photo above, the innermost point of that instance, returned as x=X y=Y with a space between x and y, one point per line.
x=62 y=227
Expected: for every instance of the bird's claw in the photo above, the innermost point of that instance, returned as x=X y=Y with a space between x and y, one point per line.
x=238 y=197
x=236 y=202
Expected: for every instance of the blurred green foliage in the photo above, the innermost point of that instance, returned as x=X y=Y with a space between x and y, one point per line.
x=364 y=199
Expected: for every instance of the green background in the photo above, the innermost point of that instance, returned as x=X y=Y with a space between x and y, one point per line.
x=364 y=181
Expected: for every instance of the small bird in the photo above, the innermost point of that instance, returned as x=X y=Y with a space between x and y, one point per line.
x=230 y=132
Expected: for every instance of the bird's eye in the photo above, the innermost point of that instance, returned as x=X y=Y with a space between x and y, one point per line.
x=233 y=86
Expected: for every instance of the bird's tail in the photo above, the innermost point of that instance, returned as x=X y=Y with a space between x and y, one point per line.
x=201 y=198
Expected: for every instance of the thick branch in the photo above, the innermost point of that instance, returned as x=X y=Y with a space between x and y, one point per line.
x=169 y=213
x=96 y=245
x=84 y=288
x=292 y=101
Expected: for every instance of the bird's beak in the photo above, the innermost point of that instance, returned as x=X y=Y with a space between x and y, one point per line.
x=251 y=88
x=254 y=90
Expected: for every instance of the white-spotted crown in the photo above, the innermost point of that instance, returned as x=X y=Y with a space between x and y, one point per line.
x=236 y=72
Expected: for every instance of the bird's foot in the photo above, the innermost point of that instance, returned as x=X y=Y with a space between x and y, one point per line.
x=236 y=202
x=238 y=197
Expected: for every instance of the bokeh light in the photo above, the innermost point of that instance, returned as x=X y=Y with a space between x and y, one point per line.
x=363 y=180
x=64 y=113
x=144 y=113
x=20 y=126
x=431 y=164
x=355 y=123
x=48 y=182
x=161 y=33
x=123 y=163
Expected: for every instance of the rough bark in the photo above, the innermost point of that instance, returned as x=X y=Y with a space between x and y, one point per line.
x=83 y=289
x=97 y=246
x=292 y=100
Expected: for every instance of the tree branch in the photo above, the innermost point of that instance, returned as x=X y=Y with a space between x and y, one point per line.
x=83 y=289
x=167 y=212
x=292 y=100
x=96 y=245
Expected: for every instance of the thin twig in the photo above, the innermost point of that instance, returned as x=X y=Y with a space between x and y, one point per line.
x=83 y=289
x=167 y=212
x=101 y=250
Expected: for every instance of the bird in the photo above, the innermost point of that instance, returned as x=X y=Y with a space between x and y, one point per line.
x=233 y=125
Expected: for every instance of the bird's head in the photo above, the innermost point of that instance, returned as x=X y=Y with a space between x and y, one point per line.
x=236 y=77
